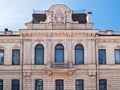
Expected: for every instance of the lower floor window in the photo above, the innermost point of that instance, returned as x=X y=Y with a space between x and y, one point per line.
x=59 y=84
x=1 y=84
x=1 y=57
x=38 y=84
x=15 y=84
x=102 y=84
x=117 y=56
x=79 y=84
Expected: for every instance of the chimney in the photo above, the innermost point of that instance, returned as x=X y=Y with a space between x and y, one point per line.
x=108 y=32
x=7 y=32
x=89 y=17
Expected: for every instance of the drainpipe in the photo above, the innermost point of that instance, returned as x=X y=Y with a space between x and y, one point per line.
x=22 y=48
x=96 y=61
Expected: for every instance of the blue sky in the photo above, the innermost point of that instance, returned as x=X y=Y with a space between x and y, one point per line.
x=14 y=13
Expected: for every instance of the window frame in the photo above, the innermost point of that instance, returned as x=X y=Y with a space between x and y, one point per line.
x=99 y=61
x=59 y=85
x=80 y=85
x=105 y=85
x=1 y=86
x=62 y=50
x=116 y=61
x=39 y=85
x=14 y=84
x=82 y=52
x=2 y=61
x=35 y=60
x=14 y=56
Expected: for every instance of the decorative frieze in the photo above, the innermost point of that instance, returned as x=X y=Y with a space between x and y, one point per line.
x=16 y=47
x=101 y=47
x=117 y=47
x=91 y=73
x=54 y=72
x=59 y=33
x=8 y=40
x=109 y=40
x=27 y=76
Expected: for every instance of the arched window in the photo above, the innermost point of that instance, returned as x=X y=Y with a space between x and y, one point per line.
x=39 y=54
x=59 y=53
x=79 y=54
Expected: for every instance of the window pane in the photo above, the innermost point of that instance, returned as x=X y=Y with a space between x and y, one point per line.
x=59 y=53
x=102 y=56
x=103 y=84
x=1 y=57
x=38 y=84
x=117 y=56
x=1 y=84
x=59 y=85
x=15 y=84
x=79 y=54
x=16 y=57
x=39 y=54
x=79 y=85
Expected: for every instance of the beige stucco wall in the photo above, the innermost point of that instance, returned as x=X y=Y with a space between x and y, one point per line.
x=27 y=72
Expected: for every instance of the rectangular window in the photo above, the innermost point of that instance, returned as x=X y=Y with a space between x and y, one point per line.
x=117 y=56
x=59 y=84
x=15 y=57
x=79 y=84
x=1 y=57
x=102 y=56
x=1 y=84
x=15 y=84
x=102 y=84
x=38 y=84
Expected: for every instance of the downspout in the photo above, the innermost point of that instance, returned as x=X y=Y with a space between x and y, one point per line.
x=22 y=48
x=96 y=61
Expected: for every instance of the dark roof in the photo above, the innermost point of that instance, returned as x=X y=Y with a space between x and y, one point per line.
x=81 y=18
x=38 y=17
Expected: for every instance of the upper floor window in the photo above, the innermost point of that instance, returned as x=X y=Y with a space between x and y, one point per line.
x=59 y=84
x=15 y=84
x=102 y=56
x=102 y=84
x=79 y=54
x=38 y=84
x=39 y=54
x=117 y=56
x=15 y=57
x=1 y=84
x=79 y=84
x=1 y=57
x=59 y=53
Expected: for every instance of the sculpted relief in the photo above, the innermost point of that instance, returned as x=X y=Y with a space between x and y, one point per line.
x=59 y=17
x=57 y=14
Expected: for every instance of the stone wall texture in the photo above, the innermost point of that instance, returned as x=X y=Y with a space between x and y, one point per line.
x=69 y=34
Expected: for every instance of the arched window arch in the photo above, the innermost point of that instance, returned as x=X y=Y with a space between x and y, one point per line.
x=39 y=54
x=79 y=54
x=59 y=53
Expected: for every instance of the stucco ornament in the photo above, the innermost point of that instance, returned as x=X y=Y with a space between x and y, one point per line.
x=59 y=18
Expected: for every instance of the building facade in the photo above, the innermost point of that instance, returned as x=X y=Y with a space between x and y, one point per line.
x=60 y=50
